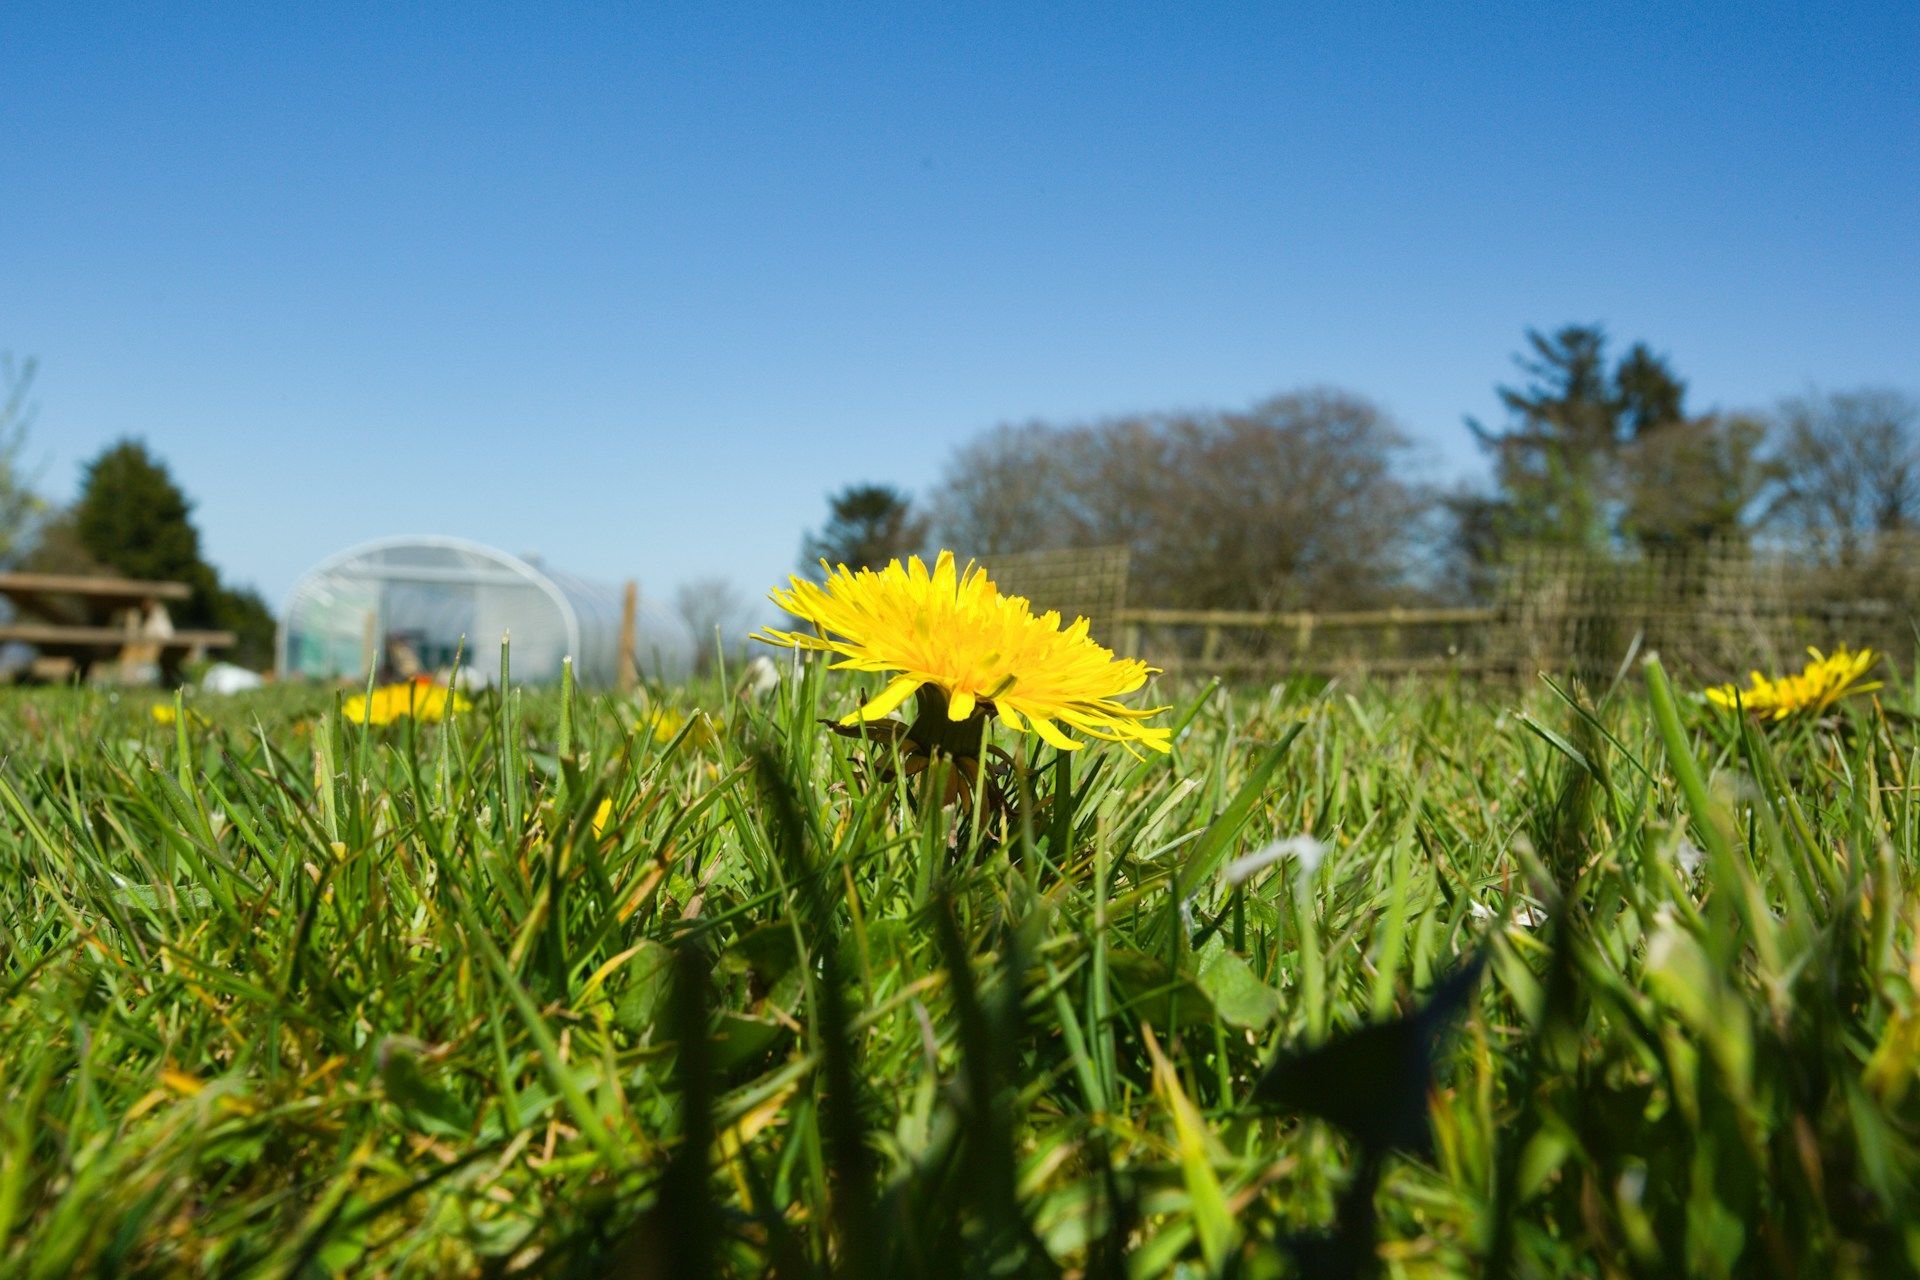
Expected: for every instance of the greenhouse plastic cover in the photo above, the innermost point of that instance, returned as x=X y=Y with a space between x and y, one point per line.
x=444 y=597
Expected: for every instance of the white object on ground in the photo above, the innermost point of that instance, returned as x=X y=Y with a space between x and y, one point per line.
x=1305 y=849
x=760 y=677
x=224 y=677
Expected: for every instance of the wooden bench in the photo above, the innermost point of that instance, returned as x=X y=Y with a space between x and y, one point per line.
x=80 y=623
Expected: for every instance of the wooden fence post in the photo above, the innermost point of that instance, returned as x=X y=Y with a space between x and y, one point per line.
x=626 y=671
x=1210 y=647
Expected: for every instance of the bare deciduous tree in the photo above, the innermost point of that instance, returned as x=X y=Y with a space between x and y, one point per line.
x=1002 y=492
x=718 y=616
x=1850 y=467
x=1296 y=499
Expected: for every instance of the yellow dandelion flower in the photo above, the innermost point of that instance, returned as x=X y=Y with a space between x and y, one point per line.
x=665 y=723
x=165 y=713
x=1815 y=687
x=423 y=701
x=952 y=632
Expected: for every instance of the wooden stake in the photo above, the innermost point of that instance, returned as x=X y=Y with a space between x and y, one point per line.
x=626 y=672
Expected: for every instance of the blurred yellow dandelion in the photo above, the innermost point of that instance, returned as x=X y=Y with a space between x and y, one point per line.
x=665 y=723
x=419 y=699
x=1815 y=687
x=952 y=632
x=166 y=713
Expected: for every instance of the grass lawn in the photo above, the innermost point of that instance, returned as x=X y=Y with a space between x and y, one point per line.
x=284 y=995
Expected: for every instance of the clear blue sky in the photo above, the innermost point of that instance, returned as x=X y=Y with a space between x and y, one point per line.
x=636 y=285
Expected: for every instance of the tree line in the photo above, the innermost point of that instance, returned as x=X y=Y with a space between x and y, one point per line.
x=1311 y=498
x=130 y=519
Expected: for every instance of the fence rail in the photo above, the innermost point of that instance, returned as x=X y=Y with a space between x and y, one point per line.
x=1719 y=610
x=1248 y=641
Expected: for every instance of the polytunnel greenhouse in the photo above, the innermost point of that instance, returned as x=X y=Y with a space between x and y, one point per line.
x=409 y=606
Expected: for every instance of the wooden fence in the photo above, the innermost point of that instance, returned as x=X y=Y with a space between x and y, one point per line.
x=1236 y=643
x=1720 y=610
x=1717 y=611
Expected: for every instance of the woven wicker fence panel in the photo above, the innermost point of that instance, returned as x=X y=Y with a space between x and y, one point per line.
x=1718 y=610
x=1088 y=582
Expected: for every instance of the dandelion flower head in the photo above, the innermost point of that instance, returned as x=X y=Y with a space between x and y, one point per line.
x=420 y=699
x=953 y=631
x=663 y=724
x=1822 y=682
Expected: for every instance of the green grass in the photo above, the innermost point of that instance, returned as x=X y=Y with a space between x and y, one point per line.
x=283 y=996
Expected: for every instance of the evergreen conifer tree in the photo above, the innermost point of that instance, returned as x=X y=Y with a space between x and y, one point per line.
x=133 y=519
x=867 y=525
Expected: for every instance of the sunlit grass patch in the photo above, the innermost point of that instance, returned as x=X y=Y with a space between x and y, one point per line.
x=565 y=981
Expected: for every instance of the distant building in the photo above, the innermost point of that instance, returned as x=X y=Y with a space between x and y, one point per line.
x=413 y=605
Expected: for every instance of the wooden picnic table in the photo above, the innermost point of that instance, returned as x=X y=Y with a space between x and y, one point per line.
x=87 y=621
